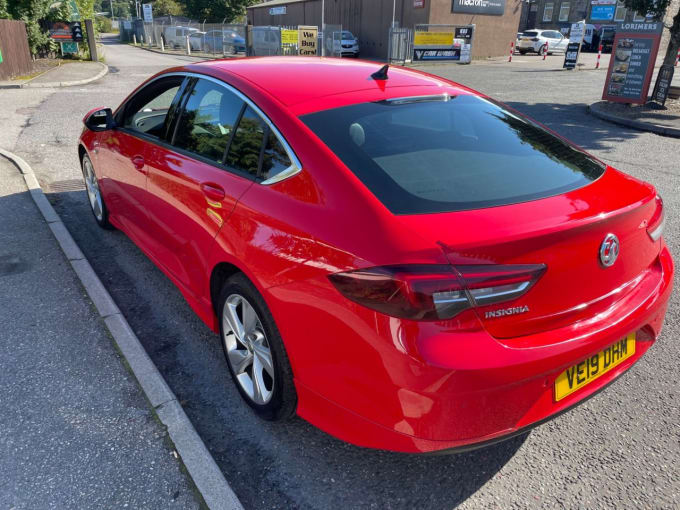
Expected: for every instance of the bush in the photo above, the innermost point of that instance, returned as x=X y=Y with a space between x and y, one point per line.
x=102 y=24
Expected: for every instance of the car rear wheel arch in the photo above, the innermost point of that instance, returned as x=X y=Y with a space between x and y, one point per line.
x=219 y=275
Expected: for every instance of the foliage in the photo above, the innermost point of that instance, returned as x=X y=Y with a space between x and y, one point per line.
x=167 y=8
x=217 y=10
x=655 y=7
x=102 y=24
x=4 y=10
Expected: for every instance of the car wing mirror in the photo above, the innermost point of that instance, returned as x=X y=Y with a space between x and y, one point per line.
x=99 y=119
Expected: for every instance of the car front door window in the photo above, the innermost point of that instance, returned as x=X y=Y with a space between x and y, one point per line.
x=146 y=113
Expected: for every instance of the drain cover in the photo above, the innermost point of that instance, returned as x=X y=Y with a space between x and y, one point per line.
x=66 y=186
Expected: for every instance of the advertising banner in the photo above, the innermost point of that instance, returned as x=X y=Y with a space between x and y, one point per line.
x=490 y=7
x=60 y=30
x=289 y=36
x=307 y=40
x=632 y=63
x=602 y=12
x=455 y=45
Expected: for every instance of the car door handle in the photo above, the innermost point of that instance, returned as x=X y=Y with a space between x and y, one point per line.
x=138 y=162
x=213 y=191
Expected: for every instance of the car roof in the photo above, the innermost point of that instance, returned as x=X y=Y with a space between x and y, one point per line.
x=306 y=84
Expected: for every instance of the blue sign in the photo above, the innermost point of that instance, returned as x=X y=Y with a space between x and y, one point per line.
x=602 y=12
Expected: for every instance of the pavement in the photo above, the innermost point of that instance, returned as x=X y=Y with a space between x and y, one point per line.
x=76 y=430
x=620 y=449
x=664 y=121
x=64 y=75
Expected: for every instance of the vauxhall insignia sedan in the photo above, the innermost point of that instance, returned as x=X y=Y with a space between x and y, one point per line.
x=403 y=262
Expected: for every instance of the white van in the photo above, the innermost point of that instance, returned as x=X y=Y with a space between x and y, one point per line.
x=176 y=37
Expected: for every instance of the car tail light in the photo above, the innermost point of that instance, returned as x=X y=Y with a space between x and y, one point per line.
x=435 y=292
x=656 y=224
x=535 y=39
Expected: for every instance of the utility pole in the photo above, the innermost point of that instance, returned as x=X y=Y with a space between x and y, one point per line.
x=394 y=10
x=112 y=18
x=323 y=28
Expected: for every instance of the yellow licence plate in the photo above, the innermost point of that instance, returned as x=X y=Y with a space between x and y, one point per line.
x=576 y=377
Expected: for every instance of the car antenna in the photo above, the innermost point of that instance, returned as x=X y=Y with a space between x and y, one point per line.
x=381 y=74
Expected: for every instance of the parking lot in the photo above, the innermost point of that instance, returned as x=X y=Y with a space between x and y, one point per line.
x=620 y=449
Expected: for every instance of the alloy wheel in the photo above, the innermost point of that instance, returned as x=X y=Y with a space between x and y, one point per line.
x=248 y=351
x=93 y=193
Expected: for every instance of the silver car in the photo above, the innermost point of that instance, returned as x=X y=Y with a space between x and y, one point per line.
x=534 y=40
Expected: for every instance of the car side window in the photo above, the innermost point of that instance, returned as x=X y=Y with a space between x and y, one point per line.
x=274 y=158
x=146 y=112
x=207 y=121
x=246 y=146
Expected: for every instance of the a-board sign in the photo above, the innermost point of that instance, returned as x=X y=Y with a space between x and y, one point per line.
x=663 y=84
x=307 y=40
x=632 y=62
x=453 y=45
x=289 y=36
x=571 y=55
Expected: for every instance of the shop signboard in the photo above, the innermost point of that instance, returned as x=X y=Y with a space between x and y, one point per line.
x=489 y=7
x=632 y=63
x=277 y=11
x=307 y=39
x=69 y=47
x=418 y=4
x=446 y=45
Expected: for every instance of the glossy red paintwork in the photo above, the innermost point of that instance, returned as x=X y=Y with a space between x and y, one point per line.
x=367 y=378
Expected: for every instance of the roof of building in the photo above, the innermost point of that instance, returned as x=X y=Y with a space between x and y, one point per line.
x=272 y=3
x=306 y=84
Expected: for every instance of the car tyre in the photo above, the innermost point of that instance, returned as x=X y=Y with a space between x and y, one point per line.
x=541 y=51
x=94 y=194
x=254 y=351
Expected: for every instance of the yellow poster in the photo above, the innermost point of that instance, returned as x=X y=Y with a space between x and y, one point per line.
x=433 y=39
x=307 y=40
x=289 y=36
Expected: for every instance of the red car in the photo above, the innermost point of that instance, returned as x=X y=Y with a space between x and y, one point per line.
x=403 y=262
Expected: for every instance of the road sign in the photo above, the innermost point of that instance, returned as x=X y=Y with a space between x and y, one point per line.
x=76 y=31
x=148 y=13
x=69 y=47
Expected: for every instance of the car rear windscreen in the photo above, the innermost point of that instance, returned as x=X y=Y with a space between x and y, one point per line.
x=444 y=154
x=530 y=34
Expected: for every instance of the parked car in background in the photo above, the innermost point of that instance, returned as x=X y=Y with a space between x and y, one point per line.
x=594 y=36
x=534 y=41
x=175 y=37
x=224 y=41
x=266 y=40
x=197 y=41
x=350 y=45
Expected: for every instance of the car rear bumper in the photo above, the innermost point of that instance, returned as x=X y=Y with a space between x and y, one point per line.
x=384 y=383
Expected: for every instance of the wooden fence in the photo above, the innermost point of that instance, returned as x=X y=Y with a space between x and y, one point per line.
x=16 y=57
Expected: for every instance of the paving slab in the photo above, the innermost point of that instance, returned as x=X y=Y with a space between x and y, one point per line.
x=75 y=429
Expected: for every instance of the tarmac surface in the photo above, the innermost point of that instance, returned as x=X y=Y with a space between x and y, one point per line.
x=75 y=428
x=620 y=449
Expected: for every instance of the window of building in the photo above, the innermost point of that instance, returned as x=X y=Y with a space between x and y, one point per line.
x=638 y=17
x=548 y=11
x=564 y=11
x=620 y=13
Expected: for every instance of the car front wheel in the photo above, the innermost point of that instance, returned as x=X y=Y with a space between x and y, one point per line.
x=254 y=351
x=94 y=195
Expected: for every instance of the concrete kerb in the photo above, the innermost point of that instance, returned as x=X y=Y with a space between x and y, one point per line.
x=596 y=111
x=28 y=84
x=205 y=473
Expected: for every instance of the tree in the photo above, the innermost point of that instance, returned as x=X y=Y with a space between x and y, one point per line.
x=4 y=12
x=658 y=8
x=217 y=10
x=167 y=8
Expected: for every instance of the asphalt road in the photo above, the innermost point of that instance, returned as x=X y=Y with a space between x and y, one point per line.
x=620 y=449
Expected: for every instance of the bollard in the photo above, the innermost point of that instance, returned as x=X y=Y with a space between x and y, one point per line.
x=545 y=52
x=188 y=46
x=134 y=39
x=677 y=59
x=599 y=54
x=512 y=50
x=162 y=45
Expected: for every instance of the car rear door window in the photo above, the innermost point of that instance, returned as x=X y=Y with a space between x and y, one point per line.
x=451 y=153
x=247 y=144
x=208 y=120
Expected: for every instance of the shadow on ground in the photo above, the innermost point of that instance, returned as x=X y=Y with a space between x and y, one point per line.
x=291 y=465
